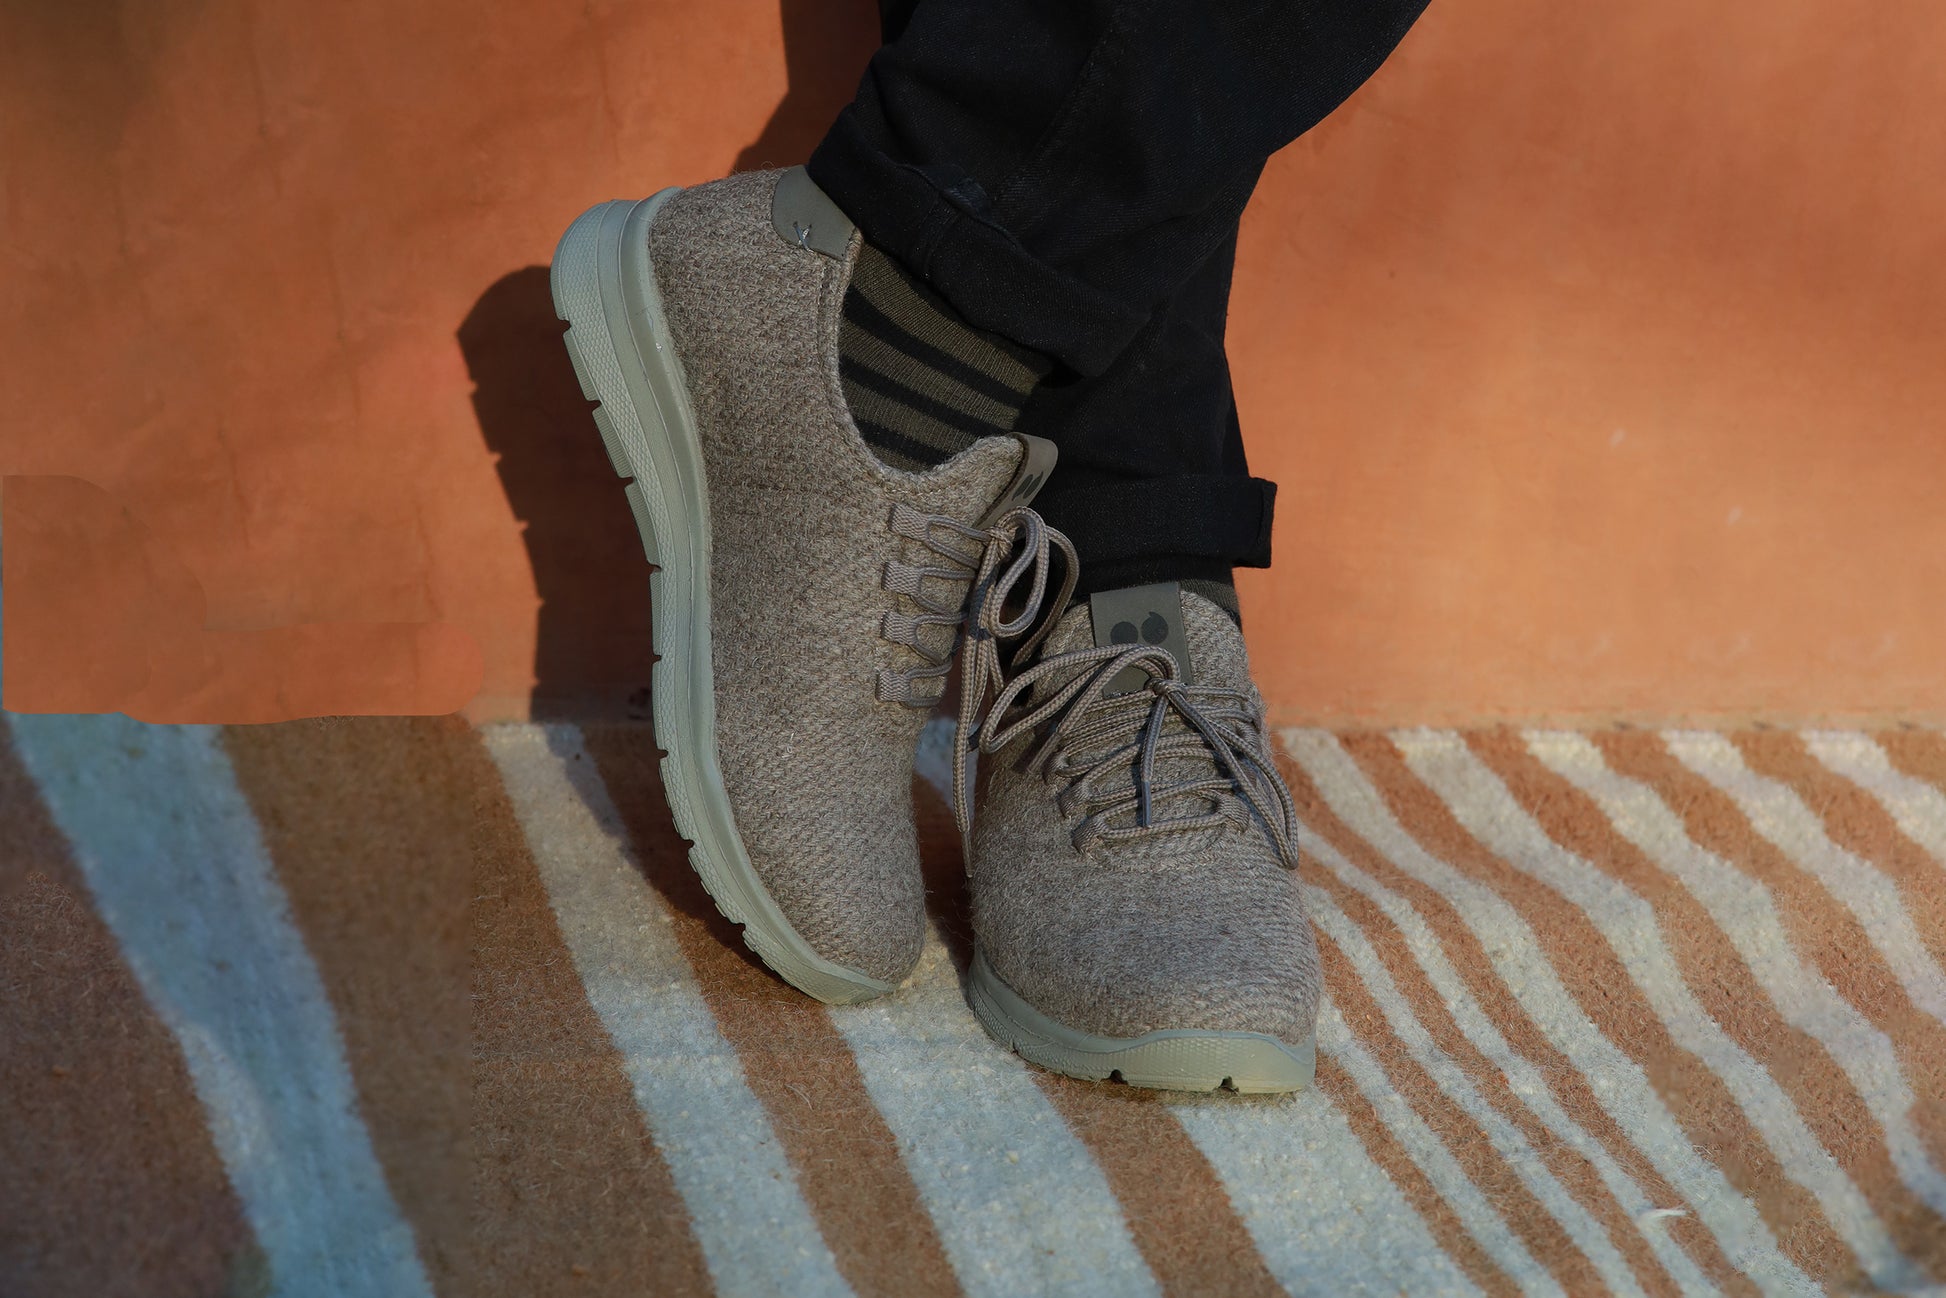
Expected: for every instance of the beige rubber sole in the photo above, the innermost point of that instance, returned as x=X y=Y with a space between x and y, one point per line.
x=604 y=288
x=1251 y=1063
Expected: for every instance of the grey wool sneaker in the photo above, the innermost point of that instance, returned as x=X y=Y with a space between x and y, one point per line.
x=1132 y=858
x=807 y=598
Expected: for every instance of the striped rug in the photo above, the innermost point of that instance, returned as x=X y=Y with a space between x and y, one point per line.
x=386 y=1007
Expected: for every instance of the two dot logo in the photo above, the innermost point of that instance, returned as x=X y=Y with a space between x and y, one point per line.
x=1154 y=630
x=1029 y=485
x=1141 y=617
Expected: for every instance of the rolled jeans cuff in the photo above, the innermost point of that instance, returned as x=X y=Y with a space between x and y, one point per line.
x=1222 y=520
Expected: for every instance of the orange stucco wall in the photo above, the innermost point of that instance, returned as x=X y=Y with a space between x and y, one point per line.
x=1600 y=352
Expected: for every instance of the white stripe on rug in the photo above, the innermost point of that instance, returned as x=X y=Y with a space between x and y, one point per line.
x=1617 y=1081
x=1777 y=813
x=1506 y=1140
x=1423 y=1146
x=1325 y=1218
x=755 y=1229
x=1488 y=811
x=1742 y=907
x=1020 y=1204
x=179 y=873
x=1525 y=1080
x=1917 y=808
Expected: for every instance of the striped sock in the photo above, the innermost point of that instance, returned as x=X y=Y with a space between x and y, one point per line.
x=922 y=384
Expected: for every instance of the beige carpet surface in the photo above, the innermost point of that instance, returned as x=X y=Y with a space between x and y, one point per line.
x=402 y=1007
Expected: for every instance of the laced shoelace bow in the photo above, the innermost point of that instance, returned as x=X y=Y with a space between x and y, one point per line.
x=1020 y=545
x=1119 y=731
x=963 y=557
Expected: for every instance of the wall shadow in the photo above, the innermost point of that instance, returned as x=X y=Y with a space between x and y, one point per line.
x=826 y=47
x=593 y=649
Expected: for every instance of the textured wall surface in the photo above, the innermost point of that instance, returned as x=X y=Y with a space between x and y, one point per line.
x=1598 y=351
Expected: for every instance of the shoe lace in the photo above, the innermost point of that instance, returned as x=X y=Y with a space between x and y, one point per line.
x=1091 y=736
x=962 y=558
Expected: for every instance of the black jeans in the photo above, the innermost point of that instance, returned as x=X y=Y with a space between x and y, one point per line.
x=1070 y=174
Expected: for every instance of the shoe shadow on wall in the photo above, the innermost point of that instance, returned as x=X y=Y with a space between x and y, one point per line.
x=593 y=648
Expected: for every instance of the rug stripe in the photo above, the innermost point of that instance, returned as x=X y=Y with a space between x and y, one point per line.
x=1781 y=816
x=1475 y=1213
x=846 y=1158
x=367 y=826
x=570 y=1195
x=1494 y=788
x=1178 y=1212
x=1563 y=1182
x=1725 y=928
x=1917 y=808
x=1562 y=975
x=1864 y=826
x=1532 y=1215
x=1404 y=947
x=1317 y=1178
x=1920 y=754
x=988 y=1151
x=115 y=1186
x=179 y=873
x=1507 y=1045
x=712 y=1131
x=1820 y=928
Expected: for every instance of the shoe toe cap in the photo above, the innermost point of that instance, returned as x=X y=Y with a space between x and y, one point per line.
x=1214 y=947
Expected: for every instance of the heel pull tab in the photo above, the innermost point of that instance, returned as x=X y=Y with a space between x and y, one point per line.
x=805 y=216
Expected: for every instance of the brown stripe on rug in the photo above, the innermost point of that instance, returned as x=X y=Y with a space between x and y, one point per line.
x=1177 y=1209
x=113 y=1186
x=1838 y=947
x=1544 y=1238
x=1384 y=1149
x=366 y=820
x=1859 y=823
x=1724 y=984
x=1470 y=960
x=1919 y=753
x=570 y=1195
x=1575 y=1173
x=1601 y=985
x=800 y=1067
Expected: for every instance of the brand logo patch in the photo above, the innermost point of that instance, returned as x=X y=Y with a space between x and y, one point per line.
x=1149 y=615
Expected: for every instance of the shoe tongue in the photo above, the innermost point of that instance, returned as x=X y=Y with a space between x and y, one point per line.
x=1210 y=641
x=1214 y=645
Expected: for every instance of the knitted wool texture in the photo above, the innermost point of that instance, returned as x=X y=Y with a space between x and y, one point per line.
x=818 y=770
x=1201 y=929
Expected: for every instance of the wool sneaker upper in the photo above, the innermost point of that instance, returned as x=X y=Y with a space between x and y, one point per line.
x=1132 y=855
x=835 y=580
